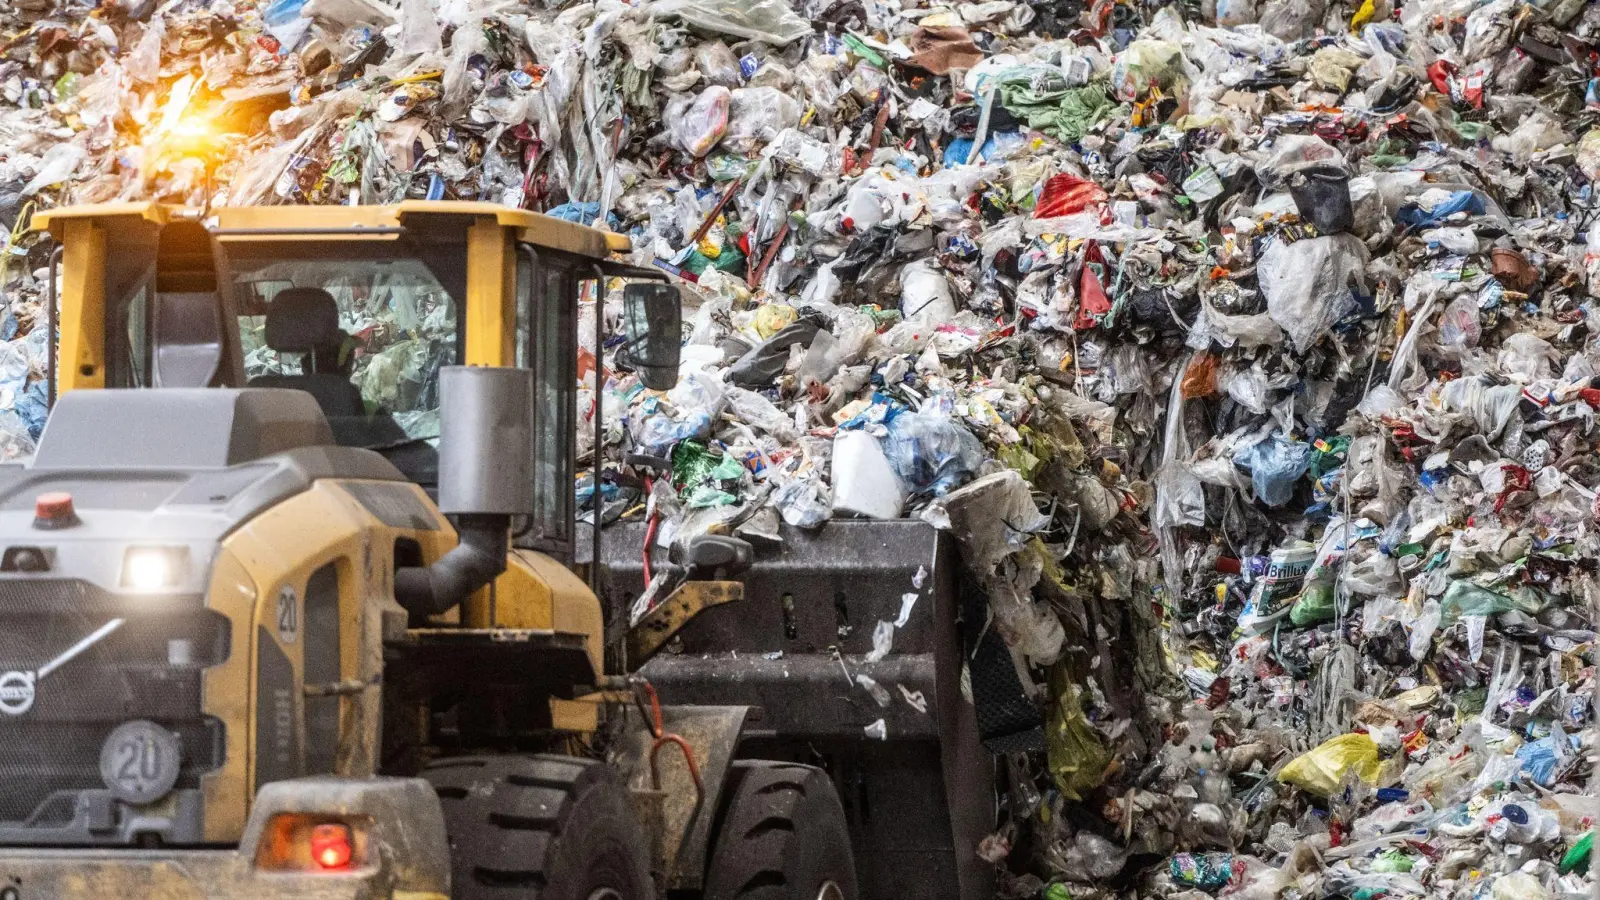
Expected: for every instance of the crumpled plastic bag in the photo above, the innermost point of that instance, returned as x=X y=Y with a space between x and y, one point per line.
x=757 y=411
x=419 y=28
x=717 y=64
x=1293 y=153
x=1078 y=758
x=1089 y=858
x=771 y=21
x=1490 y=405
x=1489 y=31
x=931 y=453
x=767 y=360
x=1589 y=154
x=1212 y=326
x=1464 y=598
x=991 y=518
x=1316 y=603
x=1180 y=498
x=688 y=414
x=1458 y=326
x=285 y=22
x=1543 y=759
x=1322 y=771
x=1275 y=465
x=57 y=165
x=1148 y=65
x=697 y=125
x=16 y=440
x=1310 y=284
x=756 y=115
x=1527 y=355
x=143 y=64
x=1291 y=20
x=804 y=501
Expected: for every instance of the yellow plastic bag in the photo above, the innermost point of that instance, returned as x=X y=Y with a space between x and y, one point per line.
x=1363 y=15
x=1077 y=757
x=773 y=318
x=1322 y=770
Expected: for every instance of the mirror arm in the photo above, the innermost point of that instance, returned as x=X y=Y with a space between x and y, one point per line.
x=532 y=256
x=616 y=269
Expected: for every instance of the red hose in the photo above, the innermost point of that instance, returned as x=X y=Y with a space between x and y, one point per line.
x=662 y=738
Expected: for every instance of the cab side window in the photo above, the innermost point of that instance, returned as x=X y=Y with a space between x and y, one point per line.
x=547 y=296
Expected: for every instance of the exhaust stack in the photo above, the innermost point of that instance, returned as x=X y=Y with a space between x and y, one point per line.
x=485 y=478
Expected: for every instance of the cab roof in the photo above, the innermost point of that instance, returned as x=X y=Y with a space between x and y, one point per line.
x=281 y=222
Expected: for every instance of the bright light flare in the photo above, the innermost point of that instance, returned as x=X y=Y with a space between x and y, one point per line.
x=150 y=568
x=330 y=845
x=185 y=126
x=192 y=131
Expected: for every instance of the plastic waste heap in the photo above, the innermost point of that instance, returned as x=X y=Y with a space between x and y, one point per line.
x=1242 y=345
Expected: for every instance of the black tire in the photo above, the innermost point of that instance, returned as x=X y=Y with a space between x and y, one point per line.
x=783 y=837
x=540 y=828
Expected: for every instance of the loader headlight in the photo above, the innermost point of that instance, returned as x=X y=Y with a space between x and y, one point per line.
x=154 y=568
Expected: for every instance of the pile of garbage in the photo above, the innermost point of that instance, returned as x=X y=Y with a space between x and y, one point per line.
x=1243 y=346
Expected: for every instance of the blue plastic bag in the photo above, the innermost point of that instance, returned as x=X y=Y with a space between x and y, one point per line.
x=1275 y=464
x=931 y=452
x=582 y=213
x=1460 y=201
x=282 y=12
x=283 y=20
x=33 y=408
x=1542 y=759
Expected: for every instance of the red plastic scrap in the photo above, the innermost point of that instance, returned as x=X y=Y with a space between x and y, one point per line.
x=1439 y=73
x=1065 y=194
x=1093 y=304
x=1518 y=480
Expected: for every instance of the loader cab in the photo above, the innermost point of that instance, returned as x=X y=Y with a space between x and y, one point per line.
x=360 y=307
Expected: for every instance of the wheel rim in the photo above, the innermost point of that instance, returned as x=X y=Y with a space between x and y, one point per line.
x=830 y=891
x=605 y=894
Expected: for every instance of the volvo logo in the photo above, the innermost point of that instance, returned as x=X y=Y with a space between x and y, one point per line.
x=16 y=692
x=17 y=688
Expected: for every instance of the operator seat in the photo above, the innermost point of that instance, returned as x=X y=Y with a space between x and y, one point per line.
x=306 y=321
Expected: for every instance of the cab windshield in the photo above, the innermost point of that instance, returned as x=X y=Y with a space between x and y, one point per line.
x=365 y=333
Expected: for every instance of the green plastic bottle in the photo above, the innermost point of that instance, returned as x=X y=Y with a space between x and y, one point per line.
x=1577 y=859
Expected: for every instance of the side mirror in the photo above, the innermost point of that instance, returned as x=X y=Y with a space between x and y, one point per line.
x=652 y=321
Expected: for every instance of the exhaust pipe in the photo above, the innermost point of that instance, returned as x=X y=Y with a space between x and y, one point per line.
x=485 y=478
x=475 y=562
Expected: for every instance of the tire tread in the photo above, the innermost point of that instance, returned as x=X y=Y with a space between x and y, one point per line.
x=504 y=816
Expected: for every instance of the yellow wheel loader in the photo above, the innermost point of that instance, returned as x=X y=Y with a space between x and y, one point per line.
x=307 y=621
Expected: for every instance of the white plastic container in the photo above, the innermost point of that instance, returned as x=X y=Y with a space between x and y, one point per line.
x=925 y=293
x=863 y=483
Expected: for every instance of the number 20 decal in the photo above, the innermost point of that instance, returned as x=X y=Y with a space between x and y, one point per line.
x=288 y=614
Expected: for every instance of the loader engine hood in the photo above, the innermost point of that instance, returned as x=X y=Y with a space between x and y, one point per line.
x=105 y=624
